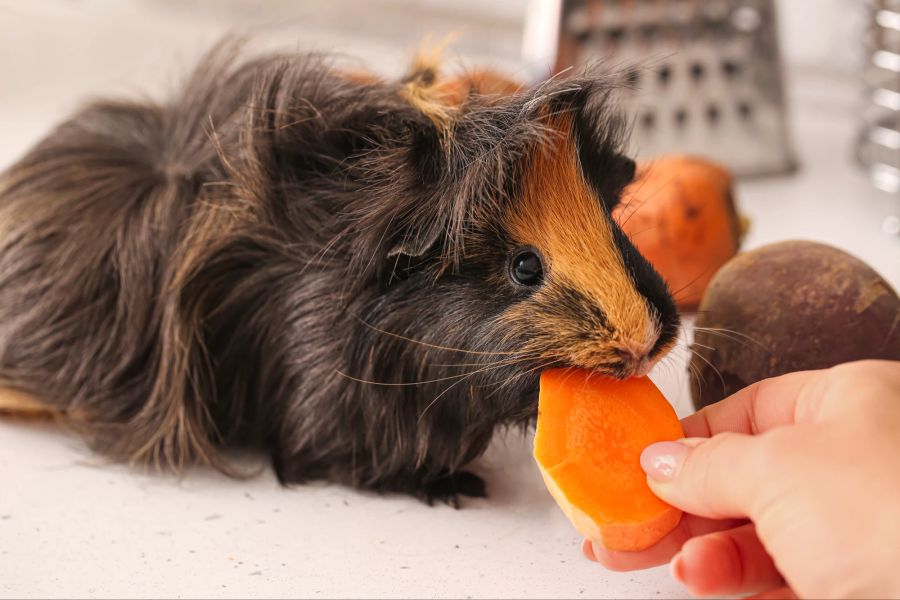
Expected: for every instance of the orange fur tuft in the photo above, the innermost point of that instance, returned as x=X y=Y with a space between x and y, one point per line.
x=440 y=99
x=482 y=82
x=16 y=404
x=420 y=88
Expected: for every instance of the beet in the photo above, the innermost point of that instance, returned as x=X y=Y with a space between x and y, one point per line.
x=785 y=307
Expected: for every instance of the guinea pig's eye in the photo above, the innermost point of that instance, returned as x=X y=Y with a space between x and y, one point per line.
x=526 y=268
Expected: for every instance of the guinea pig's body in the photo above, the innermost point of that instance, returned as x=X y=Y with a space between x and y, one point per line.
x=352 y=273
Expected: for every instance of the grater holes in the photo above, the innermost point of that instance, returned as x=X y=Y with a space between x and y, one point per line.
x=664 y=74
x=708 y=78
x=648 y=33
x=615 y=34
x=697 y=70
x=730 y=68
x=582 y=36
x=633 y=77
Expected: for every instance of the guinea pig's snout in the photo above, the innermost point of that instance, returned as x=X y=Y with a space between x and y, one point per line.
x=631 y=361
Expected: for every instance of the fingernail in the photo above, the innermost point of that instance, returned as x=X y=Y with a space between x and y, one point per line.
x=587 y=548
x=676 y=568
x=662 y=460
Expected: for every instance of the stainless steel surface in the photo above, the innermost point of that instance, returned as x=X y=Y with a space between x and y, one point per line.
x=878 y=148
x=706 y=75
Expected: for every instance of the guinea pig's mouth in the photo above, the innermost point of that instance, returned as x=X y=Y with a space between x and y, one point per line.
x=621 y=368
x=622 y=362
x=609 y=369
x=625 y=371
x=623 y=365
x=635 y=359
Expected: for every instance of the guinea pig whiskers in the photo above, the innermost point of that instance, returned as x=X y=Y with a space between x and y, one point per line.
x=729 y=333
x=520 y=375
x=691 y=282
x=694 y=372
x=713 y=367
x=503 y=361
x=484 y=367
x=412 y=383
x=703 y=346
x=646 y=229
x=684 y=353
x=671 y=367
x=644 y=201
x=460 y=380
x=434 y=346
x=516 y=376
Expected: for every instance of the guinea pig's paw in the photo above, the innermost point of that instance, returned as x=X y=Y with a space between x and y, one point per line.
x=448 y=488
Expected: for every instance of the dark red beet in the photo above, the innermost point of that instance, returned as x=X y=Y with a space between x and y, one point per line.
x=788 y=307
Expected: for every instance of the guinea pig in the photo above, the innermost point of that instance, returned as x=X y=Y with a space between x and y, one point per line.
x=363 y=277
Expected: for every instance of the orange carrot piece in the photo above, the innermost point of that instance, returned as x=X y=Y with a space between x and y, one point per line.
x=680 y=214
x=591 y=430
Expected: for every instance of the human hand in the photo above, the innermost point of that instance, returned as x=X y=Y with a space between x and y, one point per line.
x=790 y=486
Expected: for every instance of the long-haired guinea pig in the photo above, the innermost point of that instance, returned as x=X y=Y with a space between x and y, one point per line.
x=363 y=277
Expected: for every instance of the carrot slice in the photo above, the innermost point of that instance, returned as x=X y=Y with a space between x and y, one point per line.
x=591 y=430
x=681 y=215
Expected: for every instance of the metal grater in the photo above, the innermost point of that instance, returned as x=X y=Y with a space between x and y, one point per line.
x=706 y=75
x=878 y=148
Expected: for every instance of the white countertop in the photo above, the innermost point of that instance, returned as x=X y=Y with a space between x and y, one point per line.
x=71 y=525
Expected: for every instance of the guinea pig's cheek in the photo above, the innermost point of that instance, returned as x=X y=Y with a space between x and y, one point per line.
x=567 y=322
x=526 y=324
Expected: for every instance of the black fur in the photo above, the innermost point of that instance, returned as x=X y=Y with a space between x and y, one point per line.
x=651 y=285
x=281 y=256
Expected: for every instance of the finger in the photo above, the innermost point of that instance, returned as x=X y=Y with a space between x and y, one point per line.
x=782 y=593
x=754 y=409
x=726 y=563
x=661 y=552
x=718 y=478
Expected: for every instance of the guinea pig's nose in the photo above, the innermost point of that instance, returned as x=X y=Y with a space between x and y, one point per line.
x=634 y=363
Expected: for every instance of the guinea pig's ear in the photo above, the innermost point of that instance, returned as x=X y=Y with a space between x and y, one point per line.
x=608 y=176
x=415 y=242
x=599 y=133
x=420 y=228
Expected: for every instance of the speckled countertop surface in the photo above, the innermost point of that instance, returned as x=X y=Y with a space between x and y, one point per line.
x=71 y=525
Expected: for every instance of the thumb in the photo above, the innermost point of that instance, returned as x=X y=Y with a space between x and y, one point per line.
x=717 y=477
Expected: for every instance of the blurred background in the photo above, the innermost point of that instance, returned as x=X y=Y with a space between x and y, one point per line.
x=802 y=92
x=800 y=98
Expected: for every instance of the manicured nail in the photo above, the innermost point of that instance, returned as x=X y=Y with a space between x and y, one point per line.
x=676 y=568
x=587 y=548
x=662 y=460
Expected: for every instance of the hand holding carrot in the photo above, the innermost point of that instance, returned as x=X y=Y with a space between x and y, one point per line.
x=791 y=486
